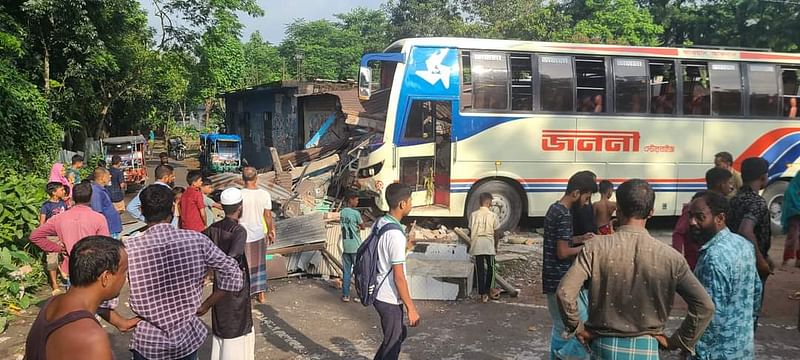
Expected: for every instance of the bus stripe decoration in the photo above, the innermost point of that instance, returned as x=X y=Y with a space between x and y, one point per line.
x=780 y=147
x=560 y=185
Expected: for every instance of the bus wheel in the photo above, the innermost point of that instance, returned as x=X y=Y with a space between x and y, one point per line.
x=507 y=203
x=773 y=194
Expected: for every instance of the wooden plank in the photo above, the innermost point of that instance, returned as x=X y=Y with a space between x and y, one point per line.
x=332 y=259
x=277 y=166
x=297 y=249
x=510 y=289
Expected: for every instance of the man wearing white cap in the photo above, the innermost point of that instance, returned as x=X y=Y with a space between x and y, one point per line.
x=231 y=318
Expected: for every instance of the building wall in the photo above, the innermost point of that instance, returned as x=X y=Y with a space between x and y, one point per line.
x=264 y=118
x=316 y=110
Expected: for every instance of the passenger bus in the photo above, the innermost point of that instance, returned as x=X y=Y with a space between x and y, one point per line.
x=518 y=118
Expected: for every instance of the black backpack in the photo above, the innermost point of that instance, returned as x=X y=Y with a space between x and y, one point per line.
x=365 y=269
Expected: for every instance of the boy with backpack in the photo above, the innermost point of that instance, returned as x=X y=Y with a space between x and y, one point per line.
x=380 y=273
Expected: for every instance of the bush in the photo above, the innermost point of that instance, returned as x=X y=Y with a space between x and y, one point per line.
x=21 y=270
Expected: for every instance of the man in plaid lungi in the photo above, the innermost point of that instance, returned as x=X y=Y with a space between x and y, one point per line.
x=632 y=281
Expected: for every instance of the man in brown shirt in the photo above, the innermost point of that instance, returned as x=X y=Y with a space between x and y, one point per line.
x=633 y=279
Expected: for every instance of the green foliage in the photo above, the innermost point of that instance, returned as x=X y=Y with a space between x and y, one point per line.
x=29 y=142
x=371 y=25
x=264 y=63
x=322 y=49
x=415 y=18
x=618 y=22
x=20 y=269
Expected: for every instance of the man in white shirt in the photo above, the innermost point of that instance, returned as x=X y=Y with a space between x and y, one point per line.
x=256 y=211
x=393 y=293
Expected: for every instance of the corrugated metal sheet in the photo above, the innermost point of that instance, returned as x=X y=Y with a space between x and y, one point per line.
x=300 y=230
x=316 y=264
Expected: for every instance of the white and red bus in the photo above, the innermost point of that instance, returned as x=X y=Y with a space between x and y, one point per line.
x=518 y=118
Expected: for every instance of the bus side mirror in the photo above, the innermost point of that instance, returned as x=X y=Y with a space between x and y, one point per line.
x=365 y=83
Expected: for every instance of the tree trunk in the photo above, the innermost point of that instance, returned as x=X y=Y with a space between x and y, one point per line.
x=209 y=104
x=46 y=72
x=100 y=131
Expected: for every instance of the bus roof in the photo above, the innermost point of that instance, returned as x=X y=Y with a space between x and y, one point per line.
x=133 y=139
x=600 y=50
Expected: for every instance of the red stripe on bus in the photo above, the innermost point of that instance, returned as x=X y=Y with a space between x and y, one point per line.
x=744 y=55
x=639 y=50
x=762 y=144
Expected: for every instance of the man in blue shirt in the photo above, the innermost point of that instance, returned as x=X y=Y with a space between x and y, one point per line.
x=165 y=176
x=725 y=268
x=101 y=201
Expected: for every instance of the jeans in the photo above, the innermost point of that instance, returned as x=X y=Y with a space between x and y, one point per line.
x=484 y=265
x=561 y=348
x=137 y=356
x=348 y=260
x=394 y=331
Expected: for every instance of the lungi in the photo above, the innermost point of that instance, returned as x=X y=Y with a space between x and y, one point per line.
x=561 y=348
x=256 y=253
x=240 y=348
x=643 y=347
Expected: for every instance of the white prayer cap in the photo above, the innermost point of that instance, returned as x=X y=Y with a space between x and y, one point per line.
x=230 y=196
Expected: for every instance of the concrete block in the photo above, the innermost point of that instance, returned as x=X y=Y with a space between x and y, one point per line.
x=438 y=251
x=439 y=279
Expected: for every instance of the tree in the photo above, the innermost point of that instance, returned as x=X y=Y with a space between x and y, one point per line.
x=321 y=49
x=183 y=22
x=516 y=19
x=416 y=18
x=371 y=25
x=30 y=142
x=264 y=63
x=221 y=61
x=618 y=22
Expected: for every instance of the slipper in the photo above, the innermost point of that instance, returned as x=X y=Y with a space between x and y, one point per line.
x=795 y=296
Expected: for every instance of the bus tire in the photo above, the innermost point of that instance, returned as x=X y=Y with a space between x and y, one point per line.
x=507 y=203
x=773 y=195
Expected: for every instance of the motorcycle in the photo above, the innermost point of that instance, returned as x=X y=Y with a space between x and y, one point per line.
x=177 y=149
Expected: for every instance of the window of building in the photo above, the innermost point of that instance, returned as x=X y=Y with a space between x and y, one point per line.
x=726 y=89
x=489 y=72
x=790 y=77
x=420 y=121
x=696 y=93
x=590 y=75
x=630 y=86
x=662 y=87
x=763 y=81
x=555 y=83
x=521 y=82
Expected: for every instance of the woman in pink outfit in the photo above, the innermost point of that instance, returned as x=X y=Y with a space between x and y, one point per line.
x=58 y=174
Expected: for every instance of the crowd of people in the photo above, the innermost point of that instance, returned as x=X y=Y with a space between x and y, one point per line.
x=609 y=284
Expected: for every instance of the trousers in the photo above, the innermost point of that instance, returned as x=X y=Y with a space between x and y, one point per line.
x=394 y=331
x=484 y=268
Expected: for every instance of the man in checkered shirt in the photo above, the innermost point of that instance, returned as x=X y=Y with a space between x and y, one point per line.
x=166 y=272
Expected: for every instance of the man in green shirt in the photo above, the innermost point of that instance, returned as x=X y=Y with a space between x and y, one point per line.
x=352 y=224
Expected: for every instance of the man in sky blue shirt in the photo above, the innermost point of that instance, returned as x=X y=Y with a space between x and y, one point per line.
x=725 y=268
x=165 y=176
x=101 y=201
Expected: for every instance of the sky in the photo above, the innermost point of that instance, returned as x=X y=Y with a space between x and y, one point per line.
x=278 y=13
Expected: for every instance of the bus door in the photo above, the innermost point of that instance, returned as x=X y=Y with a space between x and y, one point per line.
x=425 y=152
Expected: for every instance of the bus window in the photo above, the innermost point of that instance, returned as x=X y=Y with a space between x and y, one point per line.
x=466 y=82
x=763 y=81
x=419 y=124
x=521 y=82
x=726 y=89
x=696 y=96
x=630 y=86
x=489 y=74
x=662 y=87
x=591 y=84
x=555 y=83
x=791 y=91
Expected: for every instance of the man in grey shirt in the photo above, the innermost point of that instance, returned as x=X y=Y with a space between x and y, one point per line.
x=632 y=281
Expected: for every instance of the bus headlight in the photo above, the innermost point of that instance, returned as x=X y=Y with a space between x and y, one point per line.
x=370 y=171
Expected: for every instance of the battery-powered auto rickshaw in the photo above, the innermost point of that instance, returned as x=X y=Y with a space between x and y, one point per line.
x=220 y=152
x=132 y=150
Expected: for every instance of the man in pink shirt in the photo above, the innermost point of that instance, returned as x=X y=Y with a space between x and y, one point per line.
x=71 y=226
